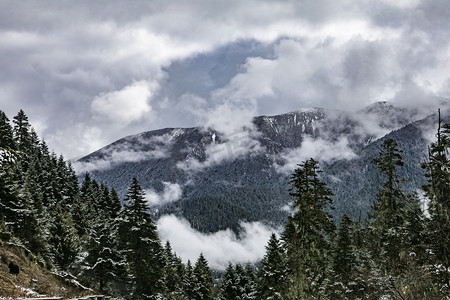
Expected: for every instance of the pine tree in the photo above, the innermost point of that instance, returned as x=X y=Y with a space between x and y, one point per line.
x=115 y=205
x=22 y=131
x=34 y=142
x=238 y=283
x=141 y=244
x=64 y=242
x=306 y=231
x=189 y=291
x=416 y=239
x=248 y=283
x=229 y=289
x=273 y=273
x=203 y=284
x=415 y=279
x=388 y=212
x=6 y=132
x=88 y=210
x=343 y=257
x=104 y=264
x=31 y=228
x=344 y=271
x=11 y=205
x=173 y=273
x=438 y=192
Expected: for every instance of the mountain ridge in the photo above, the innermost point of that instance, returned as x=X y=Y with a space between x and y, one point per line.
x=244 y=176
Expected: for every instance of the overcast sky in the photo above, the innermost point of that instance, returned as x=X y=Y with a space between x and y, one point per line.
x=90 y=72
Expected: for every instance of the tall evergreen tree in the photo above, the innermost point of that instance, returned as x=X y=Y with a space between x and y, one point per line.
x=273 y=274
x=114 y=205
x=141 y=244
x=438 y=192
x=63 y=242
x=307 y=230
x=173 y=274
x=11 y=205
x=346 y=281
x=388 y=212
x=22 y=131
x=229 y=289
x=238 y=283
x=249 y=283
x=103 y=264
x=6 y=132
x=189 y=291
x=31 y=229
x=203 y=284
x=343 y=257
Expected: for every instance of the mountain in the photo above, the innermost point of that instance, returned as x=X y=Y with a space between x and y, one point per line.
x=215 y=181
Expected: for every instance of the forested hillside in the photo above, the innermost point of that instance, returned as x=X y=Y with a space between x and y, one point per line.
x=85 y=232
x=243 y=177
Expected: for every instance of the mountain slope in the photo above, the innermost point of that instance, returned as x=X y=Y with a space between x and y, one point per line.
x=33 y=279
x=216 y=181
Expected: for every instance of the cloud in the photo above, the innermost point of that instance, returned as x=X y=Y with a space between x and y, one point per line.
x=127 y=105
x=172 y=192
x=318 y=149
x=224 y=148
x=254 y=57
x=219 y=248
x=304 y=73
x=114 y=157
x=133 y=149
x=232 y=118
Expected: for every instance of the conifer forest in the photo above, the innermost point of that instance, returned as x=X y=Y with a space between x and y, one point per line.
x=83 y=229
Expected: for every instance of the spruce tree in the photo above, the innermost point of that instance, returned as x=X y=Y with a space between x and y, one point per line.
x=189 y=291
x=387 y=216
x=11 y=204
x=273 y=274
x=307 y=230
x=203 y=284
x=22 y=131
x=238 y=283
x=64 y=243
x=32 y=228
x=438 y=192
x=115 y=205
x=229 y=289
x=248 y=283
x=173 y=273
x=344 y=268
x=141 y=244
x=6 y=132
x=343 y=257
x=103 y=264
x=90 y=195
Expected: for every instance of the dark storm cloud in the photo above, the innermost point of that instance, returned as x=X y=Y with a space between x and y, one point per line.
x=88 y=73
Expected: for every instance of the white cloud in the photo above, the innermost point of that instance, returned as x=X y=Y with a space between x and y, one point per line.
x=232 y=117
x=115 y=157
x=127 y=105
x=172 y=192
x=130 y=151
x=318 y=149
x=232 y=146
x=219 y=248
x=341 y=54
